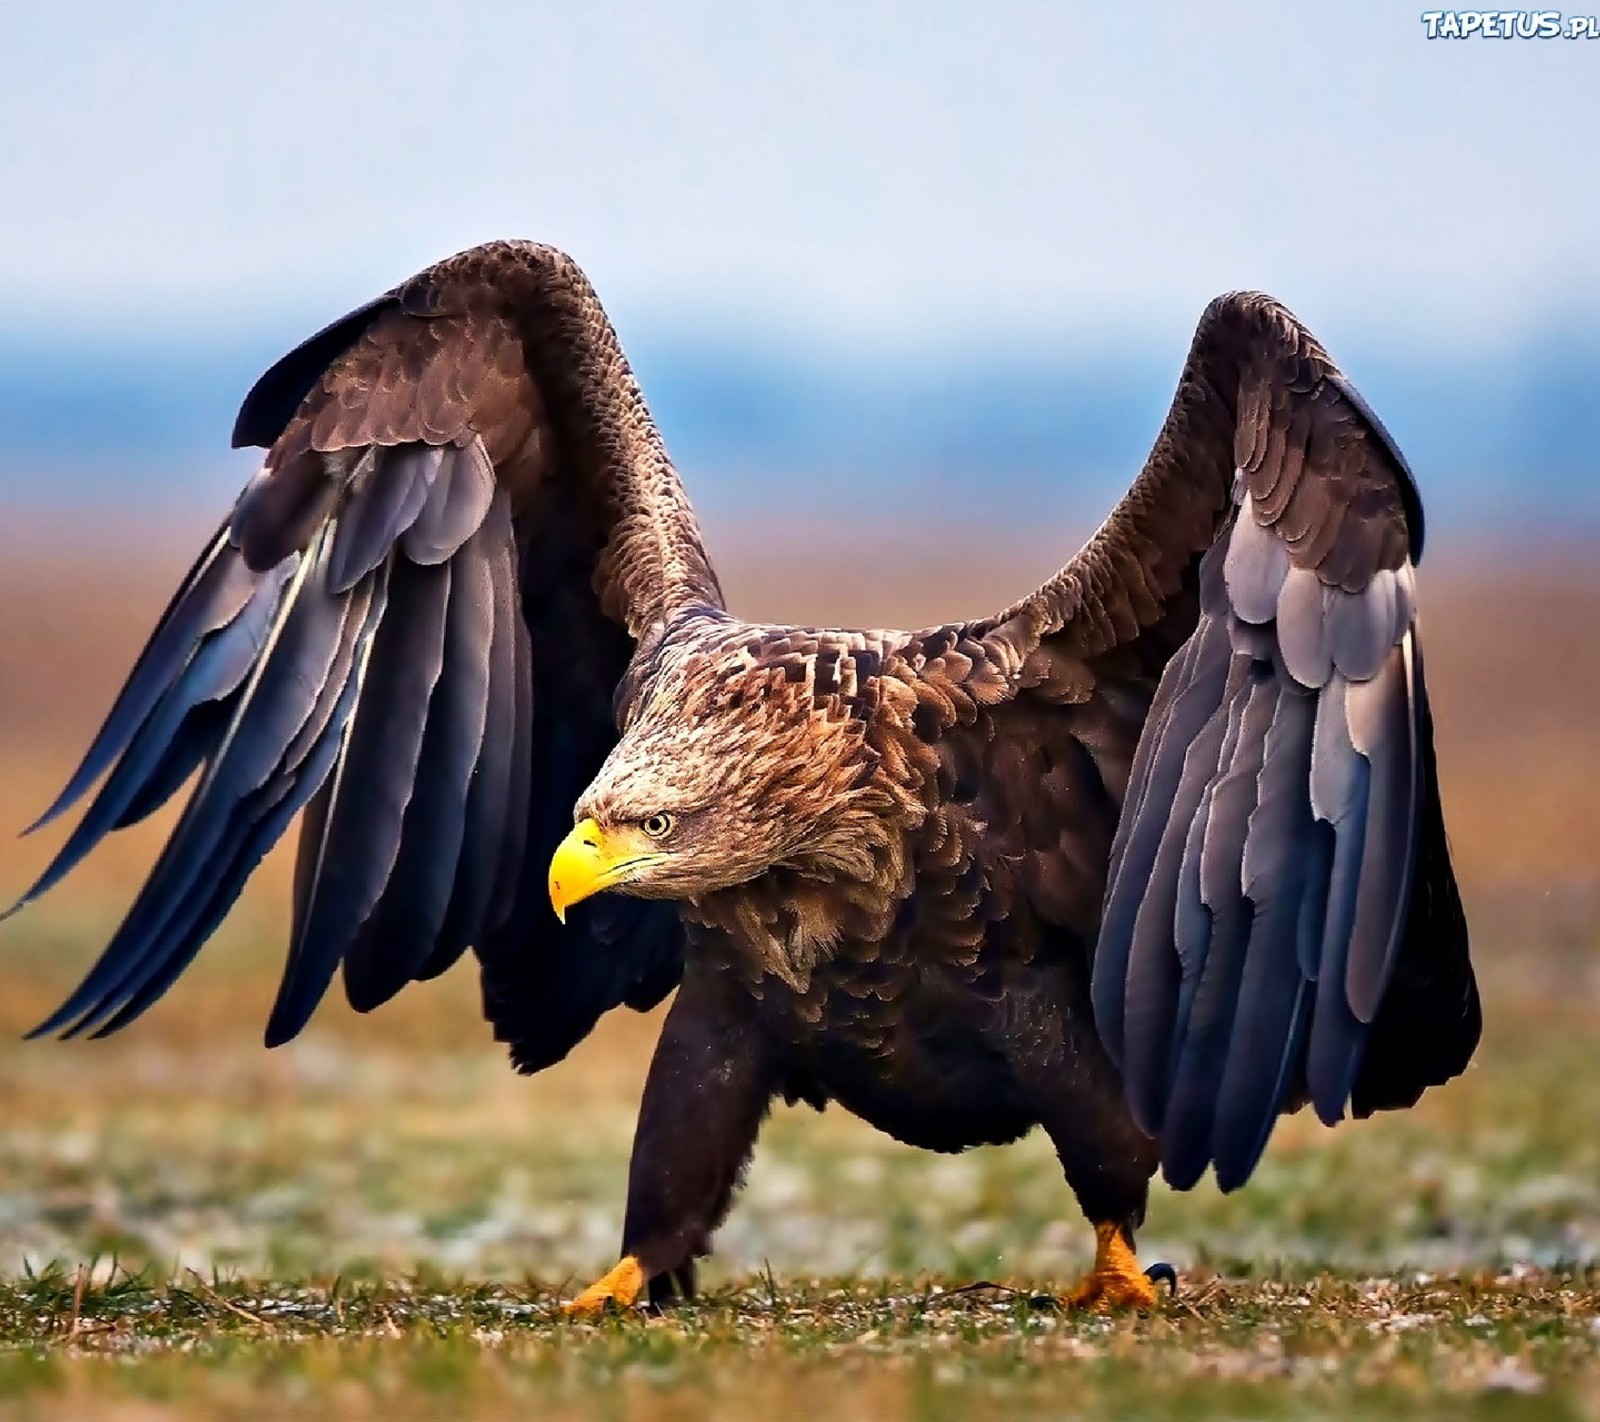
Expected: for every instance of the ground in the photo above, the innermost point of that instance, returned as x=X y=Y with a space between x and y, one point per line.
x=358 y=1227
x=381 y=1219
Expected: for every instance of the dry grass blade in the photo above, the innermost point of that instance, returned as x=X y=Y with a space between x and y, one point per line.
x=212 y=1296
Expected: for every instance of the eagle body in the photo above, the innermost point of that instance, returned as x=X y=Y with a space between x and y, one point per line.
x=926 y=985
x=1147 y=858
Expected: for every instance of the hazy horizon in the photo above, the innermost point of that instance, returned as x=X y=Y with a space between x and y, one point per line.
x=760 y=428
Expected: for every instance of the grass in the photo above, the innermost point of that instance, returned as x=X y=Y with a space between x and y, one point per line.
x=380 y=1220
x=1523 y=1345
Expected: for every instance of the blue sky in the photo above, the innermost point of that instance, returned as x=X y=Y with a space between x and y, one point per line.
x=854 y=245
x=899 y=171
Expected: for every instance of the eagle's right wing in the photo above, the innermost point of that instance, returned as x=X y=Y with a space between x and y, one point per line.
x=412 y=626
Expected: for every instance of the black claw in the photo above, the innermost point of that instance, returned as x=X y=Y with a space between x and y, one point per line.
x=1163 y=1274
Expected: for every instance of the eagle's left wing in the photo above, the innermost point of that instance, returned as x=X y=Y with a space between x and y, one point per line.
x=1281 y=921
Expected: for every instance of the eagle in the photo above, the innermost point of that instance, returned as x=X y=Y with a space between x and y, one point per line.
x=1147 y=859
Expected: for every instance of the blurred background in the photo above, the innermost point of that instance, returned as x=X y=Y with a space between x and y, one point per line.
x=908 y=286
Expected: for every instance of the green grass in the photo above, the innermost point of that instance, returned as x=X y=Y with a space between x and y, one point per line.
x=381 y=1220
x=1515 y=1345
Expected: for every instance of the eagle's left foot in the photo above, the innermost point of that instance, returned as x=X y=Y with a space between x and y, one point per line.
x=621 y=1287
x=1117 y=1281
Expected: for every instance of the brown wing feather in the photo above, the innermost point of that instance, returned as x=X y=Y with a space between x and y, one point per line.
x=1309 y=877
x=480 y=416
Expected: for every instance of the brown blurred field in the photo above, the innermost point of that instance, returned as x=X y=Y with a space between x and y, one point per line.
x=377 y=1148
x=1512 y=635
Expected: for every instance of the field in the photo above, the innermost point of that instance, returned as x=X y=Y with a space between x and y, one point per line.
x=379 y=1220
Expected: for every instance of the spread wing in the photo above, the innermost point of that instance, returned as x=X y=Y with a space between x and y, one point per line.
x=411 y=626
x=1281 y=920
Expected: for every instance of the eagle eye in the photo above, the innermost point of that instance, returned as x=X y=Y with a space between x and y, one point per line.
x=657 y=826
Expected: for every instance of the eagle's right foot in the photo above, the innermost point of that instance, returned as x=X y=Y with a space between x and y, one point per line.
x=1116 y=1281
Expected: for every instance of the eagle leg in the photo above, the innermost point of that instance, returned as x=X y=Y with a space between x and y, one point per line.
x=1117 y=1281
x=1106 y=1158
x=710 y=1083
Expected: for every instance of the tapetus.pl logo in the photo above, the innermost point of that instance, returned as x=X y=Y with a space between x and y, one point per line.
x=1508 y=24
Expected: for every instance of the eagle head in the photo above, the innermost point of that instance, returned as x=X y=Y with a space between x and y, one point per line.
x=735 y=758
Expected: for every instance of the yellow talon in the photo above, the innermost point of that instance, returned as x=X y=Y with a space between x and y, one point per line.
x=1116 y=1281
x=621 y=1286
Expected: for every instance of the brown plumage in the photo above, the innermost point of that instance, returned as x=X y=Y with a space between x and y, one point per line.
x=1147 y=858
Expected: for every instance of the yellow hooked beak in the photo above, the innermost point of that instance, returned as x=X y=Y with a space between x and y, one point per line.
x=591 y=859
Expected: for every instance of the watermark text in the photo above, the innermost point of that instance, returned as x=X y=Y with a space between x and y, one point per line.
x=1509 y=24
